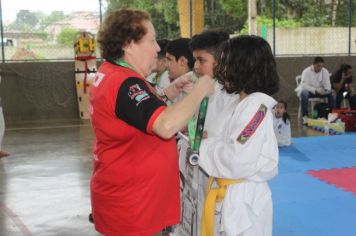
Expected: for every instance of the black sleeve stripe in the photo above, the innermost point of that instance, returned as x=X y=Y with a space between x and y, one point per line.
x=135 y=103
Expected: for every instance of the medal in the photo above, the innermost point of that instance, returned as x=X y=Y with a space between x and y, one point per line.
x=194 y=158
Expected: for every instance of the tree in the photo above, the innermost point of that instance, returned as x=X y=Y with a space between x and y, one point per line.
x=146 y=5
x=231 y=15
x=25 y=21
x=219 y=14
x=164 y=14
x=52 y=18
x=66 y=36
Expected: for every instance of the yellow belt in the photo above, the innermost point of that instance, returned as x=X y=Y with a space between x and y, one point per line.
x=213 y=195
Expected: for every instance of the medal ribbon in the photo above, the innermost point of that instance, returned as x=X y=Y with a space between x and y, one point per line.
x=195 y=133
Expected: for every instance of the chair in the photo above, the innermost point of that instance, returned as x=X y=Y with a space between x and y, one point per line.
x=344 y=99
x=311 y=101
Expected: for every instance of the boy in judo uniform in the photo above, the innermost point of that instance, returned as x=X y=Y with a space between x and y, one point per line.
x=203 y=47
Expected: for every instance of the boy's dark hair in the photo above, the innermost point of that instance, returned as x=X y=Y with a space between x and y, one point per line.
x=318 y=60
x=285 y=116
x=336 y=76
x=246 y=63
x=209 y=41
x=162 y=43
x=180 y=48
x=345 y=67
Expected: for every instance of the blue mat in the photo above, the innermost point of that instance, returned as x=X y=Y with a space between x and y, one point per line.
x=304 y=205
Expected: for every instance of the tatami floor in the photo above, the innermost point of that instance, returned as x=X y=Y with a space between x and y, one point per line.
x=44 y=183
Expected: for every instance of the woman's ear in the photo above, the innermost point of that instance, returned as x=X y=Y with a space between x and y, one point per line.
x=128 y=48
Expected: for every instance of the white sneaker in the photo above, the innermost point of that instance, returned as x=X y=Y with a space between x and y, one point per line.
x=305 y=120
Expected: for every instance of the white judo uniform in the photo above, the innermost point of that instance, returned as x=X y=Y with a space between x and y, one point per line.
x=245 y=149
x=283 y=131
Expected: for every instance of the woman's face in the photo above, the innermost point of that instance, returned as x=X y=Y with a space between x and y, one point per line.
x=144 y=52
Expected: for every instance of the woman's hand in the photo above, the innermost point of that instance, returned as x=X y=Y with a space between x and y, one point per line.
x=184 y=83
x=205 y=84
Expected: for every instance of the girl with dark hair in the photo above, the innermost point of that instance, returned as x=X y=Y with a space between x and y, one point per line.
x=281 y=124
x=245 y=156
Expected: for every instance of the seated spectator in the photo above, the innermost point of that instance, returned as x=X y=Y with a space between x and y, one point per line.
x=281 y=124
x=315 y=83
x=341 y=82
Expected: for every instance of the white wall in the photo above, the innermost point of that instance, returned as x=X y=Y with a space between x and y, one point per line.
x=313 y=40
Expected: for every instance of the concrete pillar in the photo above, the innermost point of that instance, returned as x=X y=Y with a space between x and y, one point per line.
x=197 y=15
x=252 y=17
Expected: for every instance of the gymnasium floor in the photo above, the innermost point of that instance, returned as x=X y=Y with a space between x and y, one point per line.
x=44 y=184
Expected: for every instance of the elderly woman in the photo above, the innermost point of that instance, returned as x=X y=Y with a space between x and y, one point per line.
x=135 y=182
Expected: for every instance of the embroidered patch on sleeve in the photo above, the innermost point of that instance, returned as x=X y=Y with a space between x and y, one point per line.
x=251 y=127
x=135 y=92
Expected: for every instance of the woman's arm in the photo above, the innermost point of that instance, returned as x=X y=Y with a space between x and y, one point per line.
x=176 y=116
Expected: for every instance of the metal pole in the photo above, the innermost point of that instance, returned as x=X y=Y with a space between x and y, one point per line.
x=100 y=12
x=350 y=24
x=191 y=18
x=274 y=27
x=2 y=36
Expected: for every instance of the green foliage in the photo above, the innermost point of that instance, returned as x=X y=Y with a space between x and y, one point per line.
x=25 y=21
x=236 y=8
x=42 y=35
x=217 y=18
x=231 y=15
x=164 y=14
x=55 y=16
x=66 y=37
x=262 y=20
x=146 y=5
x=169 y=10
x=268 y=22
x=315 y=15
x=236 y=11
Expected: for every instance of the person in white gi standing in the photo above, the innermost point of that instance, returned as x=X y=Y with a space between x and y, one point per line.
x=245 y=157
x=204 y=47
